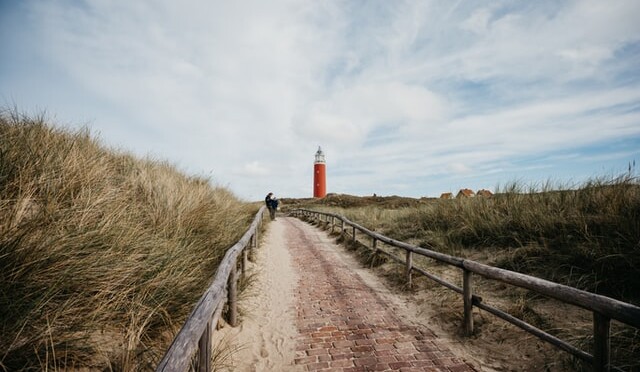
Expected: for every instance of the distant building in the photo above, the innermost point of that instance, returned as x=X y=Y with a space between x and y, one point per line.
x=446 y=195
x=484 y=193
x=465 y=193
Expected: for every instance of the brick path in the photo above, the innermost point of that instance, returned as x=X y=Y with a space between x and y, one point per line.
x=343 y=325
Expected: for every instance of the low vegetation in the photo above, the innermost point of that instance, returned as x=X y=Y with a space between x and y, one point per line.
x=586 y=237
x=102 y=255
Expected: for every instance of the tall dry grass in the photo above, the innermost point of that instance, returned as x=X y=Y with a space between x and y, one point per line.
x=102 y=255
x=586 y=236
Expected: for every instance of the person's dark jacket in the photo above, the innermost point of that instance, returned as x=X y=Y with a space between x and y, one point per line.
x=271 y=202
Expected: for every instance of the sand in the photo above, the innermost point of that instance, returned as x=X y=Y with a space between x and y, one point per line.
x=265 y=338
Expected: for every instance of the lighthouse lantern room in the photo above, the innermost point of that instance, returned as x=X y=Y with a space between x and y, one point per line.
x=319 y=175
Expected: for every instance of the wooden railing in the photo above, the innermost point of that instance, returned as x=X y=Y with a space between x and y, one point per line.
x=603 y=308
x=193 y=341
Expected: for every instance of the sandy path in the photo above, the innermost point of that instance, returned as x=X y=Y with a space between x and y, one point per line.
x=313 y=307
x=265 y=339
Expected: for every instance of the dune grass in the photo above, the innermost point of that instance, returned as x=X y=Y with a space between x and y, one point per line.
x=586 y=236
x=102 y=255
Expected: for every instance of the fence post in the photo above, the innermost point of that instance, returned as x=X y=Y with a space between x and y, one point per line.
x=342 y=227
x=252 y=244
x=243 y=265
x=601 y=342
x=409 y=265
x=256 y=235
x=468 y=304
x=233 y=297
x=204 y=350
x=354 y=234
x=374 y=244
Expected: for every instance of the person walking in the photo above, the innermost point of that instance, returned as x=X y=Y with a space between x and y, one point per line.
x=272 y=205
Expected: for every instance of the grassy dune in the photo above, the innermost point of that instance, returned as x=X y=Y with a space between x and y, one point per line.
x=586 y=236
x=102 y=255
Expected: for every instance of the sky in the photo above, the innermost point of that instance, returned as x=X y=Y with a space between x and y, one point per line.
x=410 y=98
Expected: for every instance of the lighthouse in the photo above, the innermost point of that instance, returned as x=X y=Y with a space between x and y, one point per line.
x=319 y=175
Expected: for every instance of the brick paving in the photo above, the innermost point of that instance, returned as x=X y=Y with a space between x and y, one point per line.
x=344 y=325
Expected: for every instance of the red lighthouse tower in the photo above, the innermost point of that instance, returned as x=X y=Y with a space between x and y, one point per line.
x=319 y=175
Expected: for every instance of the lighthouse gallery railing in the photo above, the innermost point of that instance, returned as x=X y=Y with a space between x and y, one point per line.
x=603 y=308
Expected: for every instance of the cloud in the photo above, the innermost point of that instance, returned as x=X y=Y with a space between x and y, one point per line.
x=460 y=168
x=350 y=115
x=478 y=22
x=255 y=168
x=591 y=55
x=402 y=95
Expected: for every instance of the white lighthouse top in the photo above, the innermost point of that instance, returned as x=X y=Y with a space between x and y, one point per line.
x=319 y=156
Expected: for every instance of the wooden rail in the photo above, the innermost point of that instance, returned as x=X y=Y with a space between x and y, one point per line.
x=603 y=308
x=194 y=339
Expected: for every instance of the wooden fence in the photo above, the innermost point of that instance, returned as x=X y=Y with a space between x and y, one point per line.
x=193 y=343
x=604 y=309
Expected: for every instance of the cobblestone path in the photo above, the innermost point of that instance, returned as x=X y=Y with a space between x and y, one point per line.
x=343 y=324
